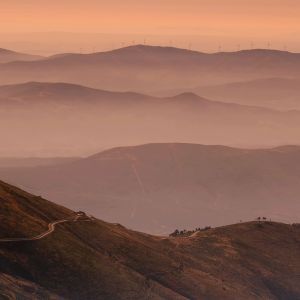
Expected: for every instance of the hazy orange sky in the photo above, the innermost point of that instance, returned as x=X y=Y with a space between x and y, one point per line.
x=273 y=20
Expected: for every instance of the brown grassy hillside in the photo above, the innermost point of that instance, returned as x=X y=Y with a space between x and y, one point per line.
x=12 y=287
x=98 y=260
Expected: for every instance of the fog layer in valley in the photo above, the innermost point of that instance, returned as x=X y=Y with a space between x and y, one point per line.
x=43 y=119
x=159 y=187
x=246 y=100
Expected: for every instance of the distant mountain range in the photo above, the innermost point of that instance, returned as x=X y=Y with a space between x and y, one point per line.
x=7 y=56
x=158 y=187
x=72 y=120
x=151 y=68
x=62 y=94
x=273 y=93
x=178 y=106
x=98 y=260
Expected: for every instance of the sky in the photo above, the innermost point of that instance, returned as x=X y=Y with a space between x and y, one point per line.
x=227 y=21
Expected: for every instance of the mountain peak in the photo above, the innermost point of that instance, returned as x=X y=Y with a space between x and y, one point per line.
x=190 y=97
x=140 y=48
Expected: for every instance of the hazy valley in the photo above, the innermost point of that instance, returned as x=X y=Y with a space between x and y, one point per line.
x=274 y=93
x=72 y=120
x=159 y=187
x=137 y=142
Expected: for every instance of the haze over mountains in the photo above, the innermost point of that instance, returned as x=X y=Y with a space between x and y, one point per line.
x=273 y=93
x=9 y=56
x=14 y=162
x=50 y=119
x=152 y=68
x=171 y=173
x=72 y=120
x=98 y=260
x=159 y=187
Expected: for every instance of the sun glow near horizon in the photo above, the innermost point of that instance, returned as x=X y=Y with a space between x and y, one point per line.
x=227 y=21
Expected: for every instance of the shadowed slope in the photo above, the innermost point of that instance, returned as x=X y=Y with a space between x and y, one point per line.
x=13 y=287
x=97 y=260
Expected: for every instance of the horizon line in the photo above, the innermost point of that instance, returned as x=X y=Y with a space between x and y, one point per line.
x=221 y=49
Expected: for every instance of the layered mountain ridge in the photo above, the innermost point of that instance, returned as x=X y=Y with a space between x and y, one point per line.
x=152 y=68
x=84 y=120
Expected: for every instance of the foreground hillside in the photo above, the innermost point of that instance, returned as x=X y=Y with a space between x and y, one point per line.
x=158 y=187
x=13 y=287
x=98 y=260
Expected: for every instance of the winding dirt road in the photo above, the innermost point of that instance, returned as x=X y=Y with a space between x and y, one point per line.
x=51 y=228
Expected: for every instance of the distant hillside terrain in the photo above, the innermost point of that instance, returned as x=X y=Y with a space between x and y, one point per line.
x=15 y=162
x=152 y=68
x=274 y=93
x=158 y=187
x=98 y=260
x=7 y=56
x=72 y=120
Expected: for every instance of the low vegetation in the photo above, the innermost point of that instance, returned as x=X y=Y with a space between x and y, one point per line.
x=98 y=260
x=185 y=232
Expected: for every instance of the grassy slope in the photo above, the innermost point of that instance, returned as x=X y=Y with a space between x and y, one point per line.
x=98 y=260
x=17 y=288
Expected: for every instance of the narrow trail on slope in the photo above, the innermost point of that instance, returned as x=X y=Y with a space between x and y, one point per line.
x=133 y=161
x=138 y=178
x=51 y=229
